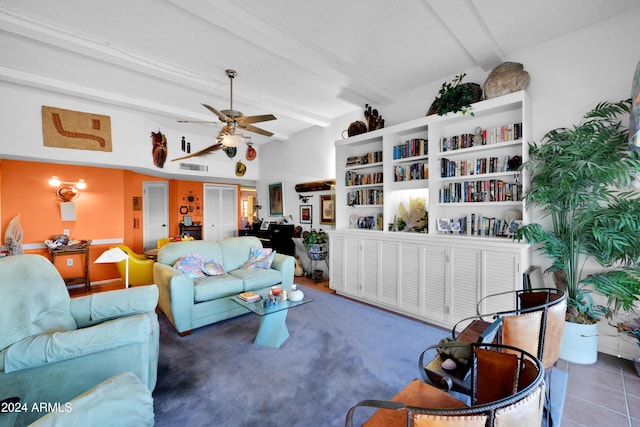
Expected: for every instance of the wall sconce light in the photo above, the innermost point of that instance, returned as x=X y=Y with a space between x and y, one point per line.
x=67 y=191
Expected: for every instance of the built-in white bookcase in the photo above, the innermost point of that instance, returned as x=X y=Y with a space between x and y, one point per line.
x=436 y=276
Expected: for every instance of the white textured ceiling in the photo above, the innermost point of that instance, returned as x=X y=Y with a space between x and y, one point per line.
x=307 y=62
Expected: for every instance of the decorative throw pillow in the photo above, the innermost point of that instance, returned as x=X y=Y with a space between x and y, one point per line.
x=259 y=258
x=191 y=265
x=213 y=267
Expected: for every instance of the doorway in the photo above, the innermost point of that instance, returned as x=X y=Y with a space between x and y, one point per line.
x=220 y=218
x=155 y=213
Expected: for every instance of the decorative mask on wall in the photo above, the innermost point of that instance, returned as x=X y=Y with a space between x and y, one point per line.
x=159 y=151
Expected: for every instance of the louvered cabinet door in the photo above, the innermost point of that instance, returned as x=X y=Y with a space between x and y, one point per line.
x=500 y=273
x=337 y=270
x=353 y=266
x=464 y=283
x=370 y=268
x=435 y=271
x=389 y=270
x=409 y=283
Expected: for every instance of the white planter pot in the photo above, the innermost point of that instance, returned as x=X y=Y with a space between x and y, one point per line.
x=579 y=343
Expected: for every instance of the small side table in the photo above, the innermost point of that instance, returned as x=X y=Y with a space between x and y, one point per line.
x=151 y=254
x=82 y=249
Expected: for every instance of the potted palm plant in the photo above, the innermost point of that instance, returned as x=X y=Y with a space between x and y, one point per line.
x=581 y=182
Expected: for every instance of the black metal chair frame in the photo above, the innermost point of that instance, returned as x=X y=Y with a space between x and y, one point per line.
x=488 y=409
x=457 y=381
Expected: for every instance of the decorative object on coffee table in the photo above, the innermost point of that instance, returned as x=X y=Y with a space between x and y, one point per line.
x=296 y=294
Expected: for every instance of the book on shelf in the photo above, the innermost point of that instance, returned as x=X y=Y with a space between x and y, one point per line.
x=250 y=296
x=509 y=132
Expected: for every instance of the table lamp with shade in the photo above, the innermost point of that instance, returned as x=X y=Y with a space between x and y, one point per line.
x=115 y=255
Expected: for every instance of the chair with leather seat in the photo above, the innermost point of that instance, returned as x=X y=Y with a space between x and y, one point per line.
x=535 y=325
x=507 y=389
x=54 y=348
x=140 y=267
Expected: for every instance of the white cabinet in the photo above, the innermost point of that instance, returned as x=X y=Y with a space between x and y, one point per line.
x=431 y=278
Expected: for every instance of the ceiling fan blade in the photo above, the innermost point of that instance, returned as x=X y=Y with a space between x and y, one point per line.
x=196 y=121
x=207 y=150
x=256 y=119
x=222 y=117
x=254 y=129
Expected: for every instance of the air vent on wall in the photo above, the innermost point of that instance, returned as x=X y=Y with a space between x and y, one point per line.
x=194 y=167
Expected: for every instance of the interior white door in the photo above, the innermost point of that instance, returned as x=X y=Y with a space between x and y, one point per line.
x=155 y=213
x=220 y=211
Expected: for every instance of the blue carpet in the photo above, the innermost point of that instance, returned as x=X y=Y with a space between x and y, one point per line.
x=338 y=353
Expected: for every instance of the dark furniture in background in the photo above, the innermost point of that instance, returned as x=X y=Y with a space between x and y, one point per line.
x=278 y=237
x=193 y=230
x=81 y=249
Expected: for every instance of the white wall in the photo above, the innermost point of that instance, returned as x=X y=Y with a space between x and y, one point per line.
x=21 y=118
x=569 y=76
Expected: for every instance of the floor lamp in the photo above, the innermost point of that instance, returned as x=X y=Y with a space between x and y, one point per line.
x=115 y=255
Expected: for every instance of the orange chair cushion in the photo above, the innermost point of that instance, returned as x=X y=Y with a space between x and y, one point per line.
x=416 y=393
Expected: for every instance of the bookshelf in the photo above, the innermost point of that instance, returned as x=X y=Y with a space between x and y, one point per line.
x=463 y=165
x=463 y=168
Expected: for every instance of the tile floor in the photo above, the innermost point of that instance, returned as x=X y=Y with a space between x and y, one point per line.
x=606 y=393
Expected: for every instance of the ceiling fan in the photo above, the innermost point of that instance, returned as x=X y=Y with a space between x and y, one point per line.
x=232 y=119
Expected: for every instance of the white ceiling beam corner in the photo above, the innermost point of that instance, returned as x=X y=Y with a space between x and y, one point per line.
x=292 y=48
x=463 y=21
x=79 y=44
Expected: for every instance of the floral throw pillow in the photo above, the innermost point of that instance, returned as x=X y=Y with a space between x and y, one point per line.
x=191 y=265
x=213 y=267
x=260 y=258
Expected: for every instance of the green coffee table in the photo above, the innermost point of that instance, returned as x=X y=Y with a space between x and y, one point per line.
x=273 y=328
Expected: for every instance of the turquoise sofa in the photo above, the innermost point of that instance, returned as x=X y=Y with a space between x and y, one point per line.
x=192 y=303
x=54 y=348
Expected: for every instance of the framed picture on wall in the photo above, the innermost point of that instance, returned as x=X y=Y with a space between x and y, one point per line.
x=137 y=203
x=276 y=199
x=306 y=214
x=327 y=209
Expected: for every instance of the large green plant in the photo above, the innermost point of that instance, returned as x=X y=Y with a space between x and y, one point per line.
x=581 y=177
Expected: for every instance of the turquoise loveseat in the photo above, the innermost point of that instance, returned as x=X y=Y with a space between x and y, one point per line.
x=192 y=303
x=54 y=348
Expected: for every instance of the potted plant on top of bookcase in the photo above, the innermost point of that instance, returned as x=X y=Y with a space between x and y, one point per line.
x=581 y=180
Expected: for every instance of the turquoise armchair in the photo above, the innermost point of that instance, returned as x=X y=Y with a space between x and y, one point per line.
x=54 y=348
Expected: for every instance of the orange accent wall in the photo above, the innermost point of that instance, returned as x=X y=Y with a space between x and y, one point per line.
x=104 y=209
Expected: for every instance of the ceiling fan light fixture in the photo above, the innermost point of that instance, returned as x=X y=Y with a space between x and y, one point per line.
x=231 y=140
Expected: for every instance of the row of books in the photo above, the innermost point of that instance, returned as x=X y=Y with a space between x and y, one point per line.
x=365 y=159
x=450 y=168
x=412 y=148
x=366 y=196
x=490 y=190
x=410 y=172
x=352 y=178
x=510 y=132
x=479 y=225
